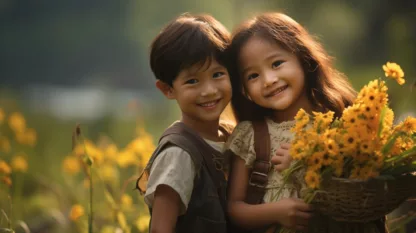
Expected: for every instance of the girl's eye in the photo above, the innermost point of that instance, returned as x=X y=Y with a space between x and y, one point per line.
x=252 y=76
x=277 y=64
x=218 y=74
x=191 y=81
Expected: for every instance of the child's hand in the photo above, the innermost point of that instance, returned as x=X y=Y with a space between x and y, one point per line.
x=282 y=159
x=294 y=213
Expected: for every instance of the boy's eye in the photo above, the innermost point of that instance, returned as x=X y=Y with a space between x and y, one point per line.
x=191 y=81
x=277 y=64
x=218 y=74
x=252 y=76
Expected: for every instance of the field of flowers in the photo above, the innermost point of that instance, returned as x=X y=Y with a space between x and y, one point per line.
x=57 y=194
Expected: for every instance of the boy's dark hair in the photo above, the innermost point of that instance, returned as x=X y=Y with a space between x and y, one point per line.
x=186 y=41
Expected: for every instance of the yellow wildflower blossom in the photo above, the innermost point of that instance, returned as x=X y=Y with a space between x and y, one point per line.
x=331 y=147
x=76 y=212
x=394 y=71
x=142 y=223
x=5 y=144
x=126 y=202
x=5 y=168
x=312 y=179
x=121 y=218
x=19 y=163
x=366 y=147
x=31 y=137
x=17 y=122
x=111 y=152
x=350 y=141
x=302 y=119
x=322 y=120
x=408 y=125
x=301 y=114
x=327 y=159
x=71 y=165
x=127 y=158
x=108 y=173
x=338 y=165
x=315 y=160
x=297 y=149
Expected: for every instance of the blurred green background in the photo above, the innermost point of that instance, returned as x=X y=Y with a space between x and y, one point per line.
x=69 y=62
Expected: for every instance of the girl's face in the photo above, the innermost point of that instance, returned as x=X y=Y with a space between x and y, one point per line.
x=273 y=77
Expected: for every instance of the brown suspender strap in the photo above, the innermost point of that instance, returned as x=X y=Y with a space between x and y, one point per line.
x=186 y=136
x=259 y=174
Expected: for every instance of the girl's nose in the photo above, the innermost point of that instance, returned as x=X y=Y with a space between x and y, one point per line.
x=270 y=79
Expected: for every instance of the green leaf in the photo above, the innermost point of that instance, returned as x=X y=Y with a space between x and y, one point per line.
x=381 y=121
x=387 y=147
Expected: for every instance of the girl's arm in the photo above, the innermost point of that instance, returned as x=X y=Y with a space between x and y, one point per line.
x=289 y=212
x=165 y=211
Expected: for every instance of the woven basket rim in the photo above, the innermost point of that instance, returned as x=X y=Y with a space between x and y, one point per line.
x=347 y=180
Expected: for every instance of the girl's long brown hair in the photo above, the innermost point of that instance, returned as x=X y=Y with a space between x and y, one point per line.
x=327 y=89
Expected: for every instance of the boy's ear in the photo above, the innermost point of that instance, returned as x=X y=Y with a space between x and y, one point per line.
x=166 y=89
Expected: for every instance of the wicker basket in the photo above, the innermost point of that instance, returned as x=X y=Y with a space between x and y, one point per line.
x=363 y=201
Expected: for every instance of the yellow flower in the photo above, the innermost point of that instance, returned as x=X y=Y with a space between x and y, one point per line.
x=111 y=152
x=19 y=163
x=315 y=161
x=349 y=117
x=5 y=168
x=31 y=137
x=394 y=71
x=5 y=144
x=331 y=147
x=377 y=159
x=366 y=147
x=121 y=218
x=71 y=165
x=300 y=114
x=297 y=150
x=2 y=116
x=338 y=165
x=127 y=158
x=312 y=179
x=76 y=212
x=17 y=122
x=349 y=142
x=387 y=122
x=6 y=180
x=126 y=200
x=323 y=120
x=326 y=159
x=93 y=152
x=108 y=173
x=408 y=125
x=142 y=223
x=302 y=119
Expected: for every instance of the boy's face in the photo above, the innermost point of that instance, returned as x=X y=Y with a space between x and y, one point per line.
x=202 y=91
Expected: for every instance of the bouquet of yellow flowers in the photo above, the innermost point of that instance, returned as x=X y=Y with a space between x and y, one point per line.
x=357 y=167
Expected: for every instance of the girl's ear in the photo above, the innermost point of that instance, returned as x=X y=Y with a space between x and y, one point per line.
x=166 y=89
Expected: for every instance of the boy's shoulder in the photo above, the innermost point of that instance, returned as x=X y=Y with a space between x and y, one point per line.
x=178 y=137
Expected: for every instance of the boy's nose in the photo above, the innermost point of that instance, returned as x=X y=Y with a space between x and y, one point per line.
x=209 y=90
